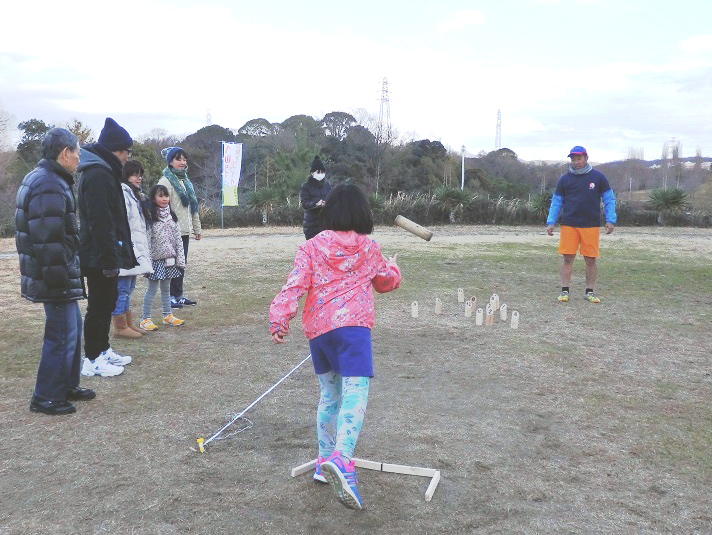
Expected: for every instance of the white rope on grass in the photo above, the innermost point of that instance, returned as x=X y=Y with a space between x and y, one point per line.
x=204 y=442
x=248 y=425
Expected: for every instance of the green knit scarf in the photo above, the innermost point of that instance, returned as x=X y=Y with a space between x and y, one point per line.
x=183 y=187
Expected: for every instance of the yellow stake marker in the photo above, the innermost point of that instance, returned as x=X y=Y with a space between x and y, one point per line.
x=200 y=445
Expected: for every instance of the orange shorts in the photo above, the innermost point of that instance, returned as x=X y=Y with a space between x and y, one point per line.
x=571 y=238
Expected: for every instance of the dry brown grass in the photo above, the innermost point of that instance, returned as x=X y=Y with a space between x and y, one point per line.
x=587 y=419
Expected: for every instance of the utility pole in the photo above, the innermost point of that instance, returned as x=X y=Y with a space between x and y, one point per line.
x=462 y=181
x=498 y=133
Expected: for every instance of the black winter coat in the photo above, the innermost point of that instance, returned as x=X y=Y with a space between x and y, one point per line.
x=104 y=232
x=47 y=235
x=311 y=192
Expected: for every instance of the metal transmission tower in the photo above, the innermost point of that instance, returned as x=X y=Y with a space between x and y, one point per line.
x=208 y=118
x=498 y=134
x=384 y=132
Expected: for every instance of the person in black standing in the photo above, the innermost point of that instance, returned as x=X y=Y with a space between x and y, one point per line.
x=312 y=196
x=104 y=242
x=47 y=239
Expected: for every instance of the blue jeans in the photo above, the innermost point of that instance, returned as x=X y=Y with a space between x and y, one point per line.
x=125 y=287
x=61 y=351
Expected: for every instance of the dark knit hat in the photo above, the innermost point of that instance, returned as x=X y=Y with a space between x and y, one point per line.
x=171 y=152
x=317 y=165
x=114 y=137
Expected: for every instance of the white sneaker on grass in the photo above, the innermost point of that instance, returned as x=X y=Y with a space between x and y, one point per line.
x=101 y=367
x=114 y=358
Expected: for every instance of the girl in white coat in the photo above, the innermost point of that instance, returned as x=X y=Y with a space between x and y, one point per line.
x=133 y=198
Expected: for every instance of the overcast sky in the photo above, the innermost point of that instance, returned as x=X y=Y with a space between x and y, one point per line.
x=606 y=74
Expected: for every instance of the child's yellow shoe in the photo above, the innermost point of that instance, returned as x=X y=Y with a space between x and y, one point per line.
x=564 y=297
x=170 y=319
x=148 y=325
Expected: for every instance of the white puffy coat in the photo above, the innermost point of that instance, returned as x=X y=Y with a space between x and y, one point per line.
x=137 y=222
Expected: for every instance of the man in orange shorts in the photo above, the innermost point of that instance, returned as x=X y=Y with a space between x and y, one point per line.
x=578 y=196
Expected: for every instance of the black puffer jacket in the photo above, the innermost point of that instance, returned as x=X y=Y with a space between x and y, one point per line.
x=311 y=192
x=104 y=234
x=47 y=235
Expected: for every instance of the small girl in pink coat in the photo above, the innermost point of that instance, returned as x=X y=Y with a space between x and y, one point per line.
x=336 y=269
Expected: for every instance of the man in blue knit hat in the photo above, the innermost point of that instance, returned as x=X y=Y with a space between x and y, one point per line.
x=579 y=193
x=104 y=242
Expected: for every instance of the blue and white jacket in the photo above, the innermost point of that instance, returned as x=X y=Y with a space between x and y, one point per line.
x=579 y=196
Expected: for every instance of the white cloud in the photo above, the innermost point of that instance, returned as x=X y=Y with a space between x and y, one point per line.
x=241 y=67
x=698 y=43
x=461 y=19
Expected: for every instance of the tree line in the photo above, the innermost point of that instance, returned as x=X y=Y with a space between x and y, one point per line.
x=276 y=158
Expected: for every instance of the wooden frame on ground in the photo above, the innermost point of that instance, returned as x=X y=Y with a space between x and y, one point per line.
x=433 y=474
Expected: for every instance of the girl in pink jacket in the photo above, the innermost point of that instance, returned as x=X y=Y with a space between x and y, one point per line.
x=336 y=269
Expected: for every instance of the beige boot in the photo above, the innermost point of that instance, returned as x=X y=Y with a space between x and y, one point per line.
x=129 y=322
x=121 y=329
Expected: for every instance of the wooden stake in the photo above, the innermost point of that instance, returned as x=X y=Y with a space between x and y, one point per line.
x=432 y=473
x=515 y=319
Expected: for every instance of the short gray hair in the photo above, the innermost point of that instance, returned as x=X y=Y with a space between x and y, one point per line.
x=55 y=141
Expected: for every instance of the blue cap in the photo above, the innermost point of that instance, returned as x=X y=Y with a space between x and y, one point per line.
x=578 y=149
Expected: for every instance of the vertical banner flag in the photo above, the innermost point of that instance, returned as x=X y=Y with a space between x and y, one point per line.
x=231 y=164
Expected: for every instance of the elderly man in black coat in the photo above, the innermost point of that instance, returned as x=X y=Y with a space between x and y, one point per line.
x=104 y=242
x=48 y=244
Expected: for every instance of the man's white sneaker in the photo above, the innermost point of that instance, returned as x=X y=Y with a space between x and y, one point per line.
x=116 y=359
x=100 y=367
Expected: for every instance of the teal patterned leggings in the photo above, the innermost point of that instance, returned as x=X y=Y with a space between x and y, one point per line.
x=340 y=413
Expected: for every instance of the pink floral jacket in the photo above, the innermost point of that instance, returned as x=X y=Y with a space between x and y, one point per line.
x=336 y=270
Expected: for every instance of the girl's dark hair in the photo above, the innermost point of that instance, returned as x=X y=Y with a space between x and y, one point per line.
x=158 y=188
x=132 y=167
x=346 y=208
x=178 y=154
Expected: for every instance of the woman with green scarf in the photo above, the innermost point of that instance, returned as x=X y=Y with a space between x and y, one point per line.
x=185 y=205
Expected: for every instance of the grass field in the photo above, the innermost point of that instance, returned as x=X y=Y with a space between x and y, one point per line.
x=586 y=419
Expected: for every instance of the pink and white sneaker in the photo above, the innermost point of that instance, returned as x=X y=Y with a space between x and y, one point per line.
x=342 y=477
x=317 y=472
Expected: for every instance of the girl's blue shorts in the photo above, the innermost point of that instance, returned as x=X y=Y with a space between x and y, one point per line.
x=346 y=351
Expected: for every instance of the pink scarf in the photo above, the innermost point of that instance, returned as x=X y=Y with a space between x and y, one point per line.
x=164 y=214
